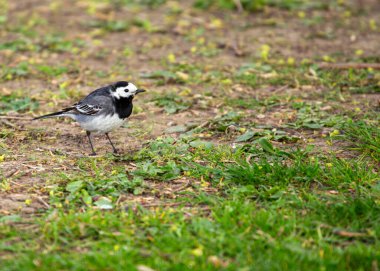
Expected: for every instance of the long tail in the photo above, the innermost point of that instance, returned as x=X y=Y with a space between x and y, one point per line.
x=55 y=114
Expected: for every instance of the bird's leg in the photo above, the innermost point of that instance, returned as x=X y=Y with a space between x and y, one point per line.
x=113 y=147
x=88 y=133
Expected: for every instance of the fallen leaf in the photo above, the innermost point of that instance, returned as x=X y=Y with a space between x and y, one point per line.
x=245 y=137
x=104 y=203
x=144 y=268
x=260 y=116
x=176 y=129
x=349 y=234
x=333 y=192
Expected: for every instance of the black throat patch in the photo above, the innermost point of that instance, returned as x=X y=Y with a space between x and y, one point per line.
x=123 y=107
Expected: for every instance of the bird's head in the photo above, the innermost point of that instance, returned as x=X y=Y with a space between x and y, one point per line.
x=123 y=89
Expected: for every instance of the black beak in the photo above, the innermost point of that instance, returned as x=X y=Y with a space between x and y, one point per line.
x=140 y=90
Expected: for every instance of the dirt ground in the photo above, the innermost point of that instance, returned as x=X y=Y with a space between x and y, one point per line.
x=35 y=151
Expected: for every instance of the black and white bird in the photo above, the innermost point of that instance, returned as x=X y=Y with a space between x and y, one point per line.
x=103 y=110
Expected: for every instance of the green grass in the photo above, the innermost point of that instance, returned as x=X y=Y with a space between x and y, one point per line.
x=236 y=235
x=273 y=73
x=16 y=103
x=364 y=137
x=272 y=162
x=257 y=5
x=273 y=211
x=251 y=103
x=171 y=103
x=311 y=116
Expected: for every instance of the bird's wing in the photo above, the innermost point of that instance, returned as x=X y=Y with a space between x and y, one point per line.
x=97 y=101
x=88 y=109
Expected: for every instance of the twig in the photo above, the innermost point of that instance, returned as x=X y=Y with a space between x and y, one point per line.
x=11 y=173
x=228 y=161
x=346 y=66
x=239 y=5
x=39 y=168
x=350 y=234
x=280 y=88
x=204 y=124
x=17 y=184
x=118 y=200
x=14 y=118
x=9 y=124
x=182 y=187
x=249 y=157
x=236 y=47
x=162 y=204
x=82 y=200
x=40 y=200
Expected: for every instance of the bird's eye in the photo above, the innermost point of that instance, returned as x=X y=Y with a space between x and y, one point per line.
x=126 y=90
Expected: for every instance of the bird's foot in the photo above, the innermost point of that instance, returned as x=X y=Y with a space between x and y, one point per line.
x=92 y=154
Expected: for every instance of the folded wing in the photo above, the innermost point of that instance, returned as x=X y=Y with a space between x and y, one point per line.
x=88 y=109
x=93 y=104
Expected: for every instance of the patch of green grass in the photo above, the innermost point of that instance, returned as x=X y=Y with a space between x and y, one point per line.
x=110 y=26
x=3 y=19
x=95 y=185
x=17 y=45
x=251 y=103
x=291 y=166
x=312 y=116
x=5 y=133
x=25 y=69
x=171 y=102
x=237 y=234
x=144 y=24
x=354 y=81
x=58 y=43
x=16 y=104
x=53 y=43
x=271 y=134
x=51 y=71
x=256 y=5
x=121 y=25
x=272 y=73
x=364 y=137
x=144 y=3
x=27 y=24
x=247 y=74
x=180 y=73
x=221 y=122
x=271 y=166
x=273 y=208
x=18 y=71
x=164 y=77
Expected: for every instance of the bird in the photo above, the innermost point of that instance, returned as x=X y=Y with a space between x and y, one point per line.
x=101 y=111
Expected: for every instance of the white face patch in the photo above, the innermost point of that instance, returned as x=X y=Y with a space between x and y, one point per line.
x=125 y=92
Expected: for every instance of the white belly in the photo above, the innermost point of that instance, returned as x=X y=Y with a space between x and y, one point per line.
x=102 y=124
